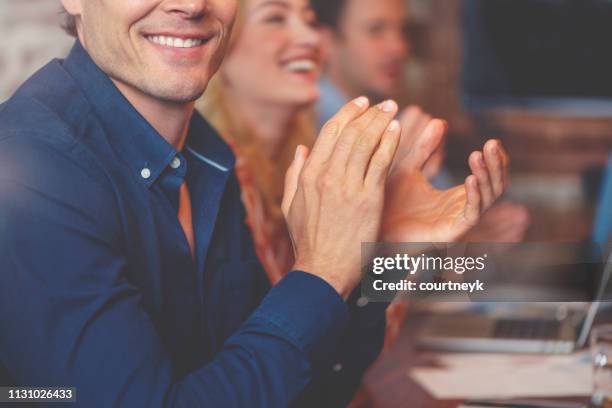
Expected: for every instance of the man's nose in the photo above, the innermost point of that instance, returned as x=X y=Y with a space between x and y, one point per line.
x=186 y=8
x=397 y=44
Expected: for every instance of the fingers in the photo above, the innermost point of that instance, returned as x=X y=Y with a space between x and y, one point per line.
x=413 y=121
x=364 y=137
x=383 y=157
x=292 y=177
x=479 y=169
x=326 y=142
x=472 y=206
x=494 y=161
x=427 y=143
x=491 y=171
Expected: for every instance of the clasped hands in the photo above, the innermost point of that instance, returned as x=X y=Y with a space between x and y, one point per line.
x=363 y=181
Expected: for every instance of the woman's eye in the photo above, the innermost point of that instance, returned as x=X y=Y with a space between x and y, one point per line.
x=310 y=18
x=275 y=19
x=312 y=22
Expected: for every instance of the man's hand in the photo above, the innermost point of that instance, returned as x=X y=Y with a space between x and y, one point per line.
x=505 y=222
x=417 y=212
x=334 y=199
x=414 y=120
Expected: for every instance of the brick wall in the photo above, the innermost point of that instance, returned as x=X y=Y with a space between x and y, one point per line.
x=30 y=36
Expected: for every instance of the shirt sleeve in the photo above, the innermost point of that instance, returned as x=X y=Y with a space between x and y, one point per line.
x=69 y=317
x=335 y=383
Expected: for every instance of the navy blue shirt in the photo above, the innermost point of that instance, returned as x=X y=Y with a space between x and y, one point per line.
x=98 y=288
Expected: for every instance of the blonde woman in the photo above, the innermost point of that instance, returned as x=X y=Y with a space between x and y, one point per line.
x=260 y=102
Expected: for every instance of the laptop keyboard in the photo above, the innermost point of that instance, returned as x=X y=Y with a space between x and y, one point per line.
x=527 y=328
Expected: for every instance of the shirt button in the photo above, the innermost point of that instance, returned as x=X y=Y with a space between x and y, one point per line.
x=175 y=163
x=337 y=367
x=362 y=301
x=145 y=173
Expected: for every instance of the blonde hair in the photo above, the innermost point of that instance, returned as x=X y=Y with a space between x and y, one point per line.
x=267 y=172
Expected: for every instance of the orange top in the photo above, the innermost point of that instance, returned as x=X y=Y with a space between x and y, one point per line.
x=184 y=216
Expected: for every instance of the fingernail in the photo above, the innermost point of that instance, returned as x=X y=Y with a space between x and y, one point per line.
x=362 y=101
x=481 y=160
x=388 y=106
x=297 y=152
x=393 y=126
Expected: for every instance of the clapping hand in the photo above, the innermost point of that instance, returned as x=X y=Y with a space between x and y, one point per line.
x=417 y=212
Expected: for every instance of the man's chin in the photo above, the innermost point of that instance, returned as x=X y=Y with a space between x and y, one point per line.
x=386 y=88
x=180 y=94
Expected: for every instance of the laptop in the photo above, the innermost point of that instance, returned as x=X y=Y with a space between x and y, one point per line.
x=481 y=333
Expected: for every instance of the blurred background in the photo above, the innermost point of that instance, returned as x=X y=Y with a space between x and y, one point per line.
x=533 y=73
x=552 y=109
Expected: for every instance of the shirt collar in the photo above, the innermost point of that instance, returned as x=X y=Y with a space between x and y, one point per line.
x=144 y=150
x=204 y=144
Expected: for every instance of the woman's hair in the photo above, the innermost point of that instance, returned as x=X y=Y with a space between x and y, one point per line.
x=267 y=173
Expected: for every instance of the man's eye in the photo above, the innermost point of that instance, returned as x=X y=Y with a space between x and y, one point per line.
x=376 y=29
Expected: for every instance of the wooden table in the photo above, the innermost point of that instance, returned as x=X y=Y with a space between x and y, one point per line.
x=387 y=383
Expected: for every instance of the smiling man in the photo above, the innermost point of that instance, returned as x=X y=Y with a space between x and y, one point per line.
x=127 y=269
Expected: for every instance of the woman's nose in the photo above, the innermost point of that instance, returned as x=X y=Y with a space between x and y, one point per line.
x=307 y=35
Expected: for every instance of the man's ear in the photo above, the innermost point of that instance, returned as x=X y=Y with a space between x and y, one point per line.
x=72 y=7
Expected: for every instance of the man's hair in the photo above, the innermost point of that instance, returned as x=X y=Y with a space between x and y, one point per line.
x=329 y=12
x=69 y=23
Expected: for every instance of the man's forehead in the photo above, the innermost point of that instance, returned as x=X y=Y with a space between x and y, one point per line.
x=363 y=11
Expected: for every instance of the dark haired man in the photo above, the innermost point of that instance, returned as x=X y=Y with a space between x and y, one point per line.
x=367 y=48
x=127 y=270
x=367 y=51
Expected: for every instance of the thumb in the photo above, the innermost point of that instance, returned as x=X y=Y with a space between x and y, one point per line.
x=426 y=144
x=292 y=177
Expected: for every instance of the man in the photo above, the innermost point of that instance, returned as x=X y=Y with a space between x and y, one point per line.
x=127 y=271
x=367 y=51
x=366 y=54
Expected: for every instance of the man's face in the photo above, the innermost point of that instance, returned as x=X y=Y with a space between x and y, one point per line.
x=370 y=49
x=167 y=49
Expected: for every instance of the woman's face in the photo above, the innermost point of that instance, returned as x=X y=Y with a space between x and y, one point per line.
x=277 y=57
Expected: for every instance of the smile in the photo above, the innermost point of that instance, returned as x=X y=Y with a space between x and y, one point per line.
x=302 y=65
x=175 y=42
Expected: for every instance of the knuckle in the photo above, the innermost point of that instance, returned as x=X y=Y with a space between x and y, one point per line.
x=355 y=128
x=367 y=202
x=381 y=161
x=330 y=128
x=364 y=141
x=307 y=178
x=378 y=165
x=326 y=181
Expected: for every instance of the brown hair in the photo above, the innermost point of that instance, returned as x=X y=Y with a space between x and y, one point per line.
x=329 y=12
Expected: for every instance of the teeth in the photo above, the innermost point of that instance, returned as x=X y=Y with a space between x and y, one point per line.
x=175 y=42
x=304 y=65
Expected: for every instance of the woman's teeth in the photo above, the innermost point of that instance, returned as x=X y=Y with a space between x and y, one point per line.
x=301 y=66
x=175 y=42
